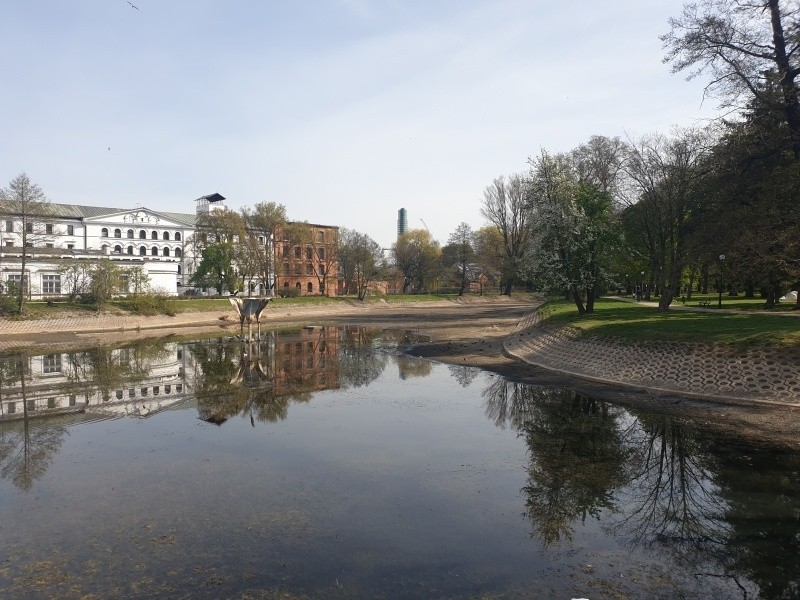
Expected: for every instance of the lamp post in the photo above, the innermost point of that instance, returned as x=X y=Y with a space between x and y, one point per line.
x=641 y=285
x=721 y=260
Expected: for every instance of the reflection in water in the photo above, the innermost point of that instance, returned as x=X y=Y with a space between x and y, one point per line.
x=26 y=450
x=727 y=515
x=577 y=455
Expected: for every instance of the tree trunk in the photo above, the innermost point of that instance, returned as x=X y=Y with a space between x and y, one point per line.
x=590 y=296
x=576 y=296
x=791 y=106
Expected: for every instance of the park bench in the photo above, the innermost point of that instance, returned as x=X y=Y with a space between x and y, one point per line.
x=704 y=303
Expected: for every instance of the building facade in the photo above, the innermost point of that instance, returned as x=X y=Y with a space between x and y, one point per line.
x=161 y=243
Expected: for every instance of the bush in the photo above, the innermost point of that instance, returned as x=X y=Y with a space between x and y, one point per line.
x=8 y=305
x=150 y=304
x=289 y=292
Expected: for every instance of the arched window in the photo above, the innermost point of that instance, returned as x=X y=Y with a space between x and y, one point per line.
x=130 y=249
x=298 y=285
x=104 y=248
x=310 y=288
x=178 y=252
x=117 y=249
x=154 y=235
x=130 y=234
x=285 y=284
x=166 y=235
x=166 y=252
x=117 y=233
x=154 y=251
x=142 y=235
x=142 y=251
x=104 y=232
x=178 y=237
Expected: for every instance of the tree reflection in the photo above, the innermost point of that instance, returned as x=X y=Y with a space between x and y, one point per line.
x=761 y=488
x=26 y=449
x=359 y=363
x=409 y=367
x=463 y=375
x=672 y=498
x=577 y=454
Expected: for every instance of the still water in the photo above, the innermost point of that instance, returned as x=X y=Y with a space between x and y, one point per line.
x=326 y=464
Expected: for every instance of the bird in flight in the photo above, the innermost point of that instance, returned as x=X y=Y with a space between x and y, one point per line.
x=132 y=4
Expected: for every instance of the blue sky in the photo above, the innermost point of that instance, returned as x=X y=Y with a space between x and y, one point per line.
x=342 y=110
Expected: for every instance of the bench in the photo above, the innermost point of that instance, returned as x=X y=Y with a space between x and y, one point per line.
x=704 y=303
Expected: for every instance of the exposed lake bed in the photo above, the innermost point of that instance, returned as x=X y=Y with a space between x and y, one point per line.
x=328 y=463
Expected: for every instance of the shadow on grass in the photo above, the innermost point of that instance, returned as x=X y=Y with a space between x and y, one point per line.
x=619 y=319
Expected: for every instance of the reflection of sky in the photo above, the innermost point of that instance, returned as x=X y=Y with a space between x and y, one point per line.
x=402 y=487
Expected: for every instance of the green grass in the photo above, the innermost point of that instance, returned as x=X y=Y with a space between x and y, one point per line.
x=736 y=302
x=615 y=318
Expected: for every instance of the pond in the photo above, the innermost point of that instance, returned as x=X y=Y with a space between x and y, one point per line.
x=325 y=463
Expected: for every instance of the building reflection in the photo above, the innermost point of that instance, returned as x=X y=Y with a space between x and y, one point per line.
x=260 y=378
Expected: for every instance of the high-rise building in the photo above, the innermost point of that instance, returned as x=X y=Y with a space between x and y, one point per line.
x=402 y=222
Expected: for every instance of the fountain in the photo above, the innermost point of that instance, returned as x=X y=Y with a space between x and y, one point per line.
x=249 y=309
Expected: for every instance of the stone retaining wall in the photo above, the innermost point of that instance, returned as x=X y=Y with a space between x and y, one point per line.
x=723 y=373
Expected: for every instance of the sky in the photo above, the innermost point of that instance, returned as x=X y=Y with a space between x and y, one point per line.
x=343 y=111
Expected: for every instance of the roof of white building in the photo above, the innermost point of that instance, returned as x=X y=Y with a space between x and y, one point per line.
x=79 y=211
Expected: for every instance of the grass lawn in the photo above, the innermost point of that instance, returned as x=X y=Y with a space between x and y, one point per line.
x=619 y=319
x=737 y=302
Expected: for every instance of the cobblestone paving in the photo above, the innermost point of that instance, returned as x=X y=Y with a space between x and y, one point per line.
x=762 y=374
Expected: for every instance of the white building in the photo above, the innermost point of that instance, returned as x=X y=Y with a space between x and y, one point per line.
x=158 y=241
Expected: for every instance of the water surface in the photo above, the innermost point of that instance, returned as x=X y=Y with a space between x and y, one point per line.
x=324 y=463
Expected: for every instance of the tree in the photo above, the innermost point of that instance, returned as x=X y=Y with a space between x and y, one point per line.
x=416 y=254
x=216 y=267
x=360 y=261
x=264 y=221
x=571 y=246
x=505 y=205
x=225 y=230
x=26 y=203
x=490 y=250
x=750 y=48
x=138 y=281
x=664 y=173
x=75 y=277
x=104 y=281
x=462 y=240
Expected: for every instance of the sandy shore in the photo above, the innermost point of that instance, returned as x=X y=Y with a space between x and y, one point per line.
x=469 y=333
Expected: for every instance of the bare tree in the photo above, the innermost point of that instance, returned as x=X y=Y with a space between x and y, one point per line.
x=505 y=205
x=751 y=49
x=599 y=162
x=463 y=241
x=664 y=172
x=360 y=261
x=28 y=210
x=263 y=222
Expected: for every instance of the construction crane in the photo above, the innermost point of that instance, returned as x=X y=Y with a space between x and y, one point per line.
x=426 y=225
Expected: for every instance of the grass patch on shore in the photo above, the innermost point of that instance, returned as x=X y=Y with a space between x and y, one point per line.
x=619 y=319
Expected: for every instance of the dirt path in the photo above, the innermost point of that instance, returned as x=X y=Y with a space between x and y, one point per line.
x=468 y=333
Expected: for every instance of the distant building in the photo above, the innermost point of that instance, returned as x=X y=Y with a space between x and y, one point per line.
x=402 y=222
x=160 y=242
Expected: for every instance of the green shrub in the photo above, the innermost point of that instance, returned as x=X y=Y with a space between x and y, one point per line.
x=150 y=304
x=289 y=292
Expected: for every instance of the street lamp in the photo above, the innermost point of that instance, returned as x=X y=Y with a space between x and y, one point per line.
x=641 y=286
x=721 y=259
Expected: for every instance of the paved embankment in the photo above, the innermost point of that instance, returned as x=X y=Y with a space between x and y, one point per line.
x=699 y=370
